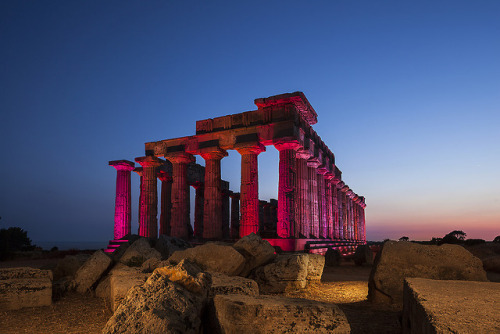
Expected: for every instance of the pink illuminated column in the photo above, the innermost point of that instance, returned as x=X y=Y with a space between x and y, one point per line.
x=212 y=210
x=313 y=196
x=249 y=190
x=355 y=207
x=286 y=187
x=329 y=206
x=199 y=203
x=123 y=200
x=180 y=194
x=148 y=223
x=323 y=215
x=166 y=201
x=235 y=215
x=336 y=209
x=138 y=170
x=302 y=202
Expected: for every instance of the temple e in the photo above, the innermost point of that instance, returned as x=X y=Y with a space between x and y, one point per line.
x=315 y=209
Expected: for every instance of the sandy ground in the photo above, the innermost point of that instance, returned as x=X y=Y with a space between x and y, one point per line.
x=346 y=286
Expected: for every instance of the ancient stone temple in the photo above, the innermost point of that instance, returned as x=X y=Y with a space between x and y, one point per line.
x=315 y=209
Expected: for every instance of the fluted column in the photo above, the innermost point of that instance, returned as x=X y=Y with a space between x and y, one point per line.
x=329 y=207
x=323 y=215
x=235 y=215
x=286 y=188
x=212 y=211
x=123 y=199
x=313 y=195
x=225 y=214
x=180 y=194
x=336 y=209
x=148 y=223
x=249 y=190
x=302 y=201
x=198 y=209
x=166 y=201
x=355 y=210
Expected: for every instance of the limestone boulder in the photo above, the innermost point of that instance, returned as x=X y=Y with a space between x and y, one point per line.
x=257 y=252
x=25 y=287
x=170 y=301
x=220 y=258
x=315 y=266
x=69 y=265
x=439 y=306
x=274 y=314
x=399 y=260
x=363 y=255
x=103 y=289
x=121 y=280
x=149 y=265
x=225 y=285
x=287 y=273
x=91 y=271
x=138 y=252
x=332 y=258
x=168 y=245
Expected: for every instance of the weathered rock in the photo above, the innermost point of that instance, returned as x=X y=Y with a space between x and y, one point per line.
x=90 y=272
x=399 y=260
x=69 y=265
x=332 y=258
x=225 y=285
x=149 y=265
x=437 y=306
x=256 y=251
x=168 y=245
x=138 y=252
x=315 y=267
x=273 y=314
x=362 y=255
x=103 y=289
x=122 y=279
x=286 y=273
x=24 y=287
x=212 y=257
x=171 y=301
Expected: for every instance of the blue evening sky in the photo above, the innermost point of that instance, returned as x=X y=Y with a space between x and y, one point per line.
x=407 y=95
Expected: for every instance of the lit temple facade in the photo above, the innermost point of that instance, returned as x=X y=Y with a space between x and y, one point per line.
x=315 y=209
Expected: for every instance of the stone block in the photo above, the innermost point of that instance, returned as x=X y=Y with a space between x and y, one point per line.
x=399 y=260
x=273 y=314
x=225 y=285
x=138 y=252
x=122 y=279
x=256 y=251
x=315 y=267
x=287 y=273
x=223 y=259
x=440 y=306
x=25 y=287
x=91 y=271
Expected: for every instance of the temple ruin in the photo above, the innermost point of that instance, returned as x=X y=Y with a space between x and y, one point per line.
x=315 y=209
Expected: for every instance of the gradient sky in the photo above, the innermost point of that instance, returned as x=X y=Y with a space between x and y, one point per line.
x=407 y=96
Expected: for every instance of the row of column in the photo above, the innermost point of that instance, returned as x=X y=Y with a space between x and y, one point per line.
x=312 y=203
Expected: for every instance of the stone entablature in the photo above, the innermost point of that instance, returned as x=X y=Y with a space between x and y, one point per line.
x=313 y=201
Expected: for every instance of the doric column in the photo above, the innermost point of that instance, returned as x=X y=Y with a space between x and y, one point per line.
x=302 y=202
x=249 y=190
x=341 y=208
x=313 y=195
x=166 y=201
x=335 y=234
x=323 y=215
x=123 y=199
x=225 y=214
x=329 y=206
x=199 y=203
x=180 y=194
x=235 y=215
x=355 y=209
x=286 y=187
x=212 y=211
x=148 y=223
x=138 y=170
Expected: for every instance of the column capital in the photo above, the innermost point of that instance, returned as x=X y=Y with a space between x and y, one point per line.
x=149 y=161
x=180 y=157
x=350 y=193
x=344 y=188
x=235 y=195
x=287 y=144
x=250 y=148
x=303 y=153
x=212 y=153
x=122 y=165
x=138 y=170
x=198 y=185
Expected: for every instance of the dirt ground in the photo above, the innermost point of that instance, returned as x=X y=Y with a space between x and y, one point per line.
x=346 y=286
